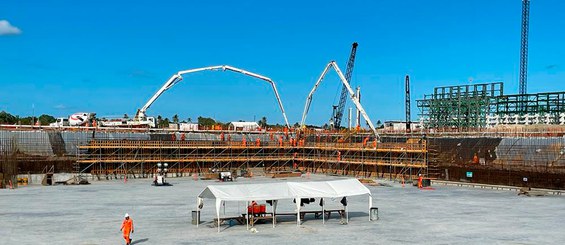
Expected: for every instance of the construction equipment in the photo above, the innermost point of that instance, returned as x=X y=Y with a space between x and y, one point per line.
x=150 y=122
x=408 y=129
x=352 y=95
x=176 y=78
x=337 y=114
x=524 y=47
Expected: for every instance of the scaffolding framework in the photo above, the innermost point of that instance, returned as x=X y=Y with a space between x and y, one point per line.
x=326 y=154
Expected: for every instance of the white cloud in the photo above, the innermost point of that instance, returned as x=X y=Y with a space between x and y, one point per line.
x=7 y=29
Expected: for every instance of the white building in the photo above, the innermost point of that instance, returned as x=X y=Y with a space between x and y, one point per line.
x=401 y=126
x=243 y=126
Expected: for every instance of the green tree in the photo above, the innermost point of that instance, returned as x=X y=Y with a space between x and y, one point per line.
x=380 y=124
x=159 y=120
x=176 y=118
x=263 y=122
x=7 y=118
x=126 y=116
x=46 y=119
x=28 y=120
x=205 y=121
x=164 y=123
x=189 y=120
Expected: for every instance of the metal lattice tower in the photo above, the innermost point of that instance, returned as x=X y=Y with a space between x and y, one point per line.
x=338 y=115
x=408 y=129
x=524 y=47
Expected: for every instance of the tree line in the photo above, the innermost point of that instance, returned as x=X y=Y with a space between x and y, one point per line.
x=44 y=120
x=7 y=118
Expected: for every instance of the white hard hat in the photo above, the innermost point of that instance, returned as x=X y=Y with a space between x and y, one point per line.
x=127 y=215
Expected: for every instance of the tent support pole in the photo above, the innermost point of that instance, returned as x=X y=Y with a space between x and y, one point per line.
x=370 y=205
x=323 y=212
x=346 y=215
x=274 y=212
x=197 y=211
x=218 y=204
x=298 y=199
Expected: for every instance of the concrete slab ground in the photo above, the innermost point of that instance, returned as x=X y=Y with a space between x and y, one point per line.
x=92 y=214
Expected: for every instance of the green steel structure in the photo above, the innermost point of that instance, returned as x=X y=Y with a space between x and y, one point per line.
x=552 y=103
x=459 y=107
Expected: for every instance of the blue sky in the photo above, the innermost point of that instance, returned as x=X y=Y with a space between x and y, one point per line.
x=110 y=57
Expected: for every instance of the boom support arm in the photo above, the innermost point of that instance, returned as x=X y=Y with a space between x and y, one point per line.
x=176 y=78
x=358 y=105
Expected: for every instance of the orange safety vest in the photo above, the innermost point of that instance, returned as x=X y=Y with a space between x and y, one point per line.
x=365 y=141
x=127 y=226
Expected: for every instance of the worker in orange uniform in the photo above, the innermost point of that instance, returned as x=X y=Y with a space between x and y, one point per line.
x=243 y=141
x=338 y=156
x=258 y=142
x=365 y=141
x=420 y=180
x=475 y=159
x=127 y=228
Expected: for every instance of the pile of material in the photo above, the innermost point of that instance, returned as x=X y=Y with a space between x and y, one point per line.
x=284 y=174
x=75 y=181
x=369 y=182
x=527 y=191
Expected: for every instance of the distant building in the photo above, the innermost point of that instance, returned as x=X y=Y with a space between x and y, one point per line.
x=401 y=126
x=243 y=126
x=188 y=126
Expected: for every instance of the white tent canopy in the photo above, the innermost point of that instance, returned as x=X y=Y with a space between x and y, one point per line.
x=284 y=190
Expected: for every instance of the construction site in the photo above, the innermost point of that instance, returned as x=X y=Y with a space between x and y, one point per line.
x=471 y=150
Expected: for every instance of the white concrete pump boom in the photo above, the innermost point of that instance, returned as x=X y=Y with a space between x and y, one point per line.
x=178 y=77
x=351 y=95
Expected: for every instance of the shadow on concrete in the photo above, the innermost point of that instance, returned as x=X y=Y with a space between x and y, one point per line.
x=358 y=214
x=139 y=241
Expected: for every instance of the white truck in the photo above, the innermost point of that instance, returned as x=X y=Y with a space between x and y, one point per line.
x=61 y=122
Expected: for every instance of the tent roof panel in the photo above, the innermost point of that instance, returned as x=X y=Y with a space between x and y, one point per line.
x=285 y=190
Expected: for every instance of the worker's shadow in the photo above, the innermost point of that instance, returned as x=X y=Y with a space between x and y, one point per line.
x=139 y=241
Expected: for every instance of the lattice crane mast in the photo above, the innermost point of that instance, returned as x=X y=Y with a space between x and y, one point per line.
x=524 y=47
x=338 y=113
